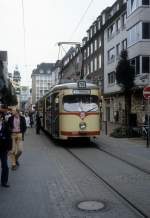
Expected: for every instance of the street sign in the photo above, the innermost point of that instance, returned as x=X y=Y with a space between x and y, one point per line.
x=146 y=92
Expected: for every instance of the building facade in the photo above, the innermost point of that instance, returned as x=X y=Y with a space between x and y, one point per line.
x=41 y=80
x=16 y=82
x=138 y=38
x=24 y=97
x=115 y=40
x=71 y=65
x=129 y=30
x=93 y=49
x=3 y=69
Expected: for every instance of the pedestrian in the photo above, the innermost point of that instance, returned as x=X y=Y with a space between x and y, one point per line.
x=31 y=120
x=5 y=146
x=38 y=123
x=27 y=119
x=17 y=126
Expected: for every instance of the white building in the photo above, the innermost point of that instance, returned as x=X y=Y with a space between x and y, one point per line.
x=24 y=96
x=4 y=73
x=115 y=40
x=138 y=30
x=41 y=80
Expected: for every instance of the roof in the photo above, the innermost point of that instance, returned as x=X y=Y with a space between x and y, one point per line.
x=43 y=66
x=72 y=86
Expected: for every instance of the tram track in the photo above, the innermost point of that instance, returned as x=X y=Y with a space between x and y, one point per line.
x=125 y=161
x=122 y=197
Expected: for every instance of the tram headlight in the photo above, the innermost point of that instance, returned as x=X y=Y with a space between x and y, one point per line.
x=82 y=125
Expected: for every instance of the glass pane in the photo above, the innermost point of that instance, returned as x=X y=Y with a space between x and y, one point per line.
x=146 y=30
x=80 y=103
x=145 y=64
x=137 y=65
x=145 y=2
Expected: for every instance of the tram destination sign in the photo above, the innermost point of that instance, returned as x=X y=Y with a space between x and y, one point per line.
x=81 y=84
x=146 y=92
x=81 y=91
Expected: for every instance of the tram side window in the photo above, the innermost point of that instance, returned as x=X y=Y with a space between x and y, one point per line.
x=78 y=103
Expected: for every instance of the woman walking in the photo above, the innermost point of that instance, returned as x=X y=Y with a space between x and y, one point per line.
x=27 y=118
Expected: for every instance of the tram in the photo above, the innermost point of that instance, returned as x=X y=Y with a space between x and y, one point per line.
x=71 y=110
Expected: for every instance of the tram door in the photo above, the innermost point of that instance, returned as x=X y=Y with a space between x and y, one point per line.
x=55 y=115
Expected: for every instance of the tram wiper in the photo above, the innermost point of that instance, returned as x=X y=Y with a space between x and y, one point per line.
x=92 y=109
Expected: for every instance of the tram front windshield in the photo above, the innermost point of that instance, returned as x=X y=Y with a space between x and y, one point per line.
x=79 y=103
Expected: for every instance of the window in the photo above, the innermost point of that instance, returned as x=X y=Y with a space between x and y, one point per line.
x=91 y=66
x=95 y=46
x=132 y=5
x=124 y=44
x=135 y=63
x=94 y=28
x=99 y=24
x=88 y=69
x=85 y=54
x=111 y=31
x=118 y=49
x=41 y=71
x=111 y=77
x=88 y=51
x=99 y=61
x=84 y=70
x=95 y=63
x=80 y=103
x=91 y=32
x=103 y=18
x=88 y=35
x=91 y=48
x=145 y=65
x=134 y=34
x=145 y=2
x=145 y=30
x=99 y=42
x=124 y=19
x=118 y=25
x=111 y=54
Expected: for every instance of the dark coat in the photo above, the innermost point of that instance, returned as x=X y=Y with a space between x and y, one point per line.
x=5 y=138
x=38 y=121
x=23 y=126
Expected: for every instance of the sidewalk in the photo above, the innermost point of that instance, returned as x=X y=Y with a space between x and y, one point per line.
x=133 y=150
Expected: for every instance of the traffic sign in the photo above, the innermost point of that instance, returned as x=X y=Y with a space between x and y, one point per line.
x=146 y=92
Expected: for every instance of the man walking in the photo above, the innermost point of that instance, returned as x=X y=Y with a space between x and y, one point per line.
x=17 y=125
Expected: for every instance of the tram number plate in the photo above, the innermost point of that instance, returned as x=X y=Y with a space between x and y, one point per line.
x=82 y=91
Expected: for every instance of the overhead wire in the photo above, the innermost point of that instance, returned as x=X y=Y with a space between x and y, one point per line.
x=82 y=17
x=24 y=30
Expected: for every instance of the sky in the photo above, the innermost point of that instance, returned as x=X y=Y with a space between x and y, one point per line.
x=31 y=29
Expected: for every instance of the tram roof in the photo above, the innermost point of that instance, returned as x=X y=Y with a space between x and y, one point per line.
x=69 y=86
x=72 y=86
